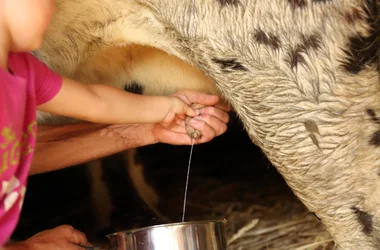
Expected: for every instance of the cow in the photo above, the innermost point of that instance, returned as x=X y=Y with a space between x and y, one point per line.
x=302 y=75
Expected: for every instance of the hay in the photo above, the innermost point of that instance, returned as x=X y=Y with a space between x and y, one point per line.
x=259 y=219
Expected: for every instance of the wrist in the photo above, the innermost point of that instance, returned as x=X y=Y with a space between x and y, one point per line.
x=152 y=109
x=166 y=107
x=21 y=245
x=150 y=135
x=173 y=106
x=147 y=135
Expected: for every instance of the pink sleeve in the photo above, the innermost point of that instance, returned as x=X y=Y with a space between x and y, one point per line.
x=47 y=82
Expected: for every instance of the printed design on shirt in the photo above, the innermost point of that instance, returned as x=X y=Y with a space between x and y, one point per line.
x=9 y=189
x=12 y=149
x=32 y=132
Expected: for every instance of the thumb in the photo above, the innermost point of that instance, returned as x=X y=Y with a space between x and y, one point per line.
x=189 y=111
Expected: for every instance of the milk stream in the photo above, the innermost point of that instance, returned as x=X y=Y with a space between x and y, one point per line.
x=187 y=181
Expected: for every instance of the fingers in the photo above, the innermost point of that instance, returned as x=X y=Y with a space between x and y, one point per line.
x=209 y=126
x=179 y=137
x=223 y=105
x=73 y=235
x=205 y=114
x=212 y=100
x=209 y=123
x=194 y=133
x=208 y=112
x=189 y=111
x=209 y=120
x=62 y=237
x=199 y=97
x=180 y=106
x=212 y=122
x=79 y=238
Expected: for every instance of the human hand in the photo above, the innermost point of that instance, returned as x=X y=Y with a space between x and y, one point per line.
x=211 y=120
x=60 y=238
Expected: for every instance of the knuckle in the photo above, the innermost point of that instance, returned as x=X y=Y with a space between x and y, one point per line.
x=227 y=117
x=222 y=129
x=207 y=118
x=66 y=229
x=211 y=110
x=80 y=234
x=206 y=139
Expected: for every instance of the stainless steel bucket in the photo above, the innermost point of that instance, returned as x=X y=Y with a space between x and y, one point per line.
x=193 y=235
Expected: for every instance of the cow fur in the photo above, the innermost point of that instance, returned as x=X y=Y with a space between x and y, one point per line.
x=303 y=76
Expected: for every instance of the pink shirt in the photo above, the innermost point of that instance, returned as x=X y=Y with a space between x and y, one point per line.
x=31 y=84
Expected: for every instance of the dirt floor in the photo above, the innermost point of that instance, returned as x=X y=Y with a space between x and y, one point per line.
x=230 y=179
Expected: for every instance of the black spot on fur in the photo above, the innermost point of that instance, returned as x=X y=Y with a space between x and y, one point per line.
x=371 y=113
x=308 y=42
x=297 y=3
x=134 y=87
x=365 y=219
x=228 y=2
x=373 y=116
x=295 y=57
x=375 y=140
x=229 y=65
x=315 y=140
x=267 y=39
x=311 y=126
x=365 y=50
x=353 y=15
x=311 y=42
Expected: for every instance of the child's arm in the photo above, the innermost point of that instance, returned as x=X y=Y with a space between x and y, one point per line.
x=100 y=103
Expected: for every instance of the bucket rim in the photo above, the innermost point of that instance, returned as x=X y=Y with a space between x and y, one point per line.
x=197 y=222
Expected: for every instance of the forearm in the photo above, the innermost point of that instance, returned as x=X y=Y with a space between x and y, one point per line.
x=14 y=246
x=125 y=107
x=63 y=146
x=100 y=103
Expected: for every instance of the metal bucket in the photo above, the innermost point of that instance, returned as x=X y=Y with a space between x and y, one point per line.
x=193 y=235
